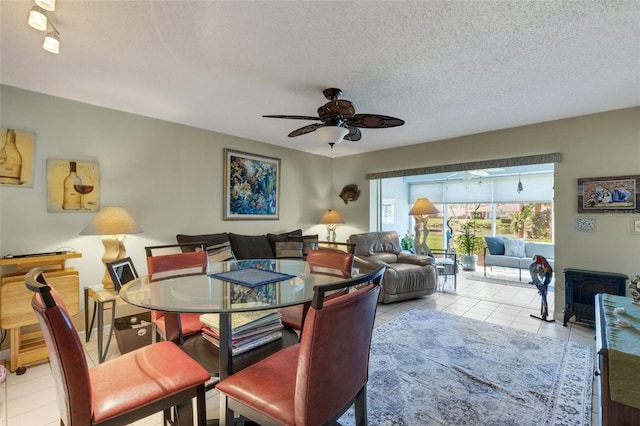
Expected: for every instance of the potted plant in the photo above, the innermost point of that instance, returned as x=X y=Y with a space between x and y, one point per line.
x=407 y=242
x=469 y=244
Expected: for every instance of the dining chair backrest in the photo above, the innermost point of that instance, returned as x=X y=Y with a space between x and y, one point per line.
x=171 y=257
x=121 y=271
x=330 y=261
x=66 y=354
x=334 y=349
x=170 y=261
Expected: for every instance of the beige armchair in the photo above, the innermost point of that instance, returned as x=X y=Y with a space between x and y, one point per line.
x=407 y=276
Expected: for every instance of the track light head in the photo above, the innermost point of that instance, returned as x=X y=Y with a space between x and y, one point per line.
x=49 y=5
x=38 y=18
x=52 y=42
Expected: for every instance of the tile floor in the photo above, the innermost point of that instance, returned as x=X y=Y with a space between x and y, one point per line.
x=31 y=398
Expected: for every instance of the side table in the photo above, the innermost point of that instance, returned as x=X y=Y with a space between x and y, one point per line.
x=102 y=299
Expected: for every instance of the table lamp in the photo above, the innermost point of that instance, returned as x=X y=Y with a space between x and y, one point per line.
x=331 y=218
x=112 y=223
x=420 y=211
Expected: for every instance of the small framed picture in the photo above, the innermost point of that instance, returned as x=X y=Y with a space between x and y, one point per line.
x=586 y=224
x=635 y=226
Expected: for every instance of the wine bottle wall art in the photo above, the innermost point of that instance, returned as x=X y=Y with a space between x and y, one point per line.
x=16 y=158
x=73 y=186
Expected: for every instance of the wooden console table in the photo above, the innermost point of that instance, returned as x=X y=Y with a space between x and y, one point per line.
x=618 y=366
x=27 y=347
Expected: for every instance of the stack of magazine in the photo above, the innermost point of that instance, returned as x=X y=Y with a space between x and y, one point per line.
x=249 y=330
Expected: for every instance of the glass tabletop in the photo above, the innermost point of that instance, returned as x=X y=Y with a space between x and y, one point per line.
x=215 y=291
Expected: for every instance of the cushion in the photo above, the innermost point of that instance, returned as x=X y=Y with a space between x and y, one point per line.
x=251 y=246
x=495 y=244
x=309 y=242
x=514 y=247
x=285 y=236
x=288 y=250
x=220 y=252
x=209 y=239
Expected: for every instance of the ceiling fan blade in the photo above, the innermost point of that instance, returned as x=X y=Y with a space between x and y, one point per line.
x=354 y=134
x=374 y=121
x=293 y=117
x=304 y=130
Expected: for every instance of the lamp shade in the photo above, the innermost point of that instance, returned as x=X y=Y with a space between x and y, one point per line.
x=332 y=134
x=423 y=206
x=331 y=217
x=111 y=221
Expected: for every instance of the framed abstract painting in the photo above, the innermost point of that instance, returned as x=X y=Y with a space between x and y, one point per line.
x=251 y=186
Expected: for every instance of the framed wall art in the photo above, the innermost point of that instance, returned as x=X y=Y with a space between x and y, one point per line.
x=17 y=154
x=251 y=186
x=609 y=194
x=73 y=186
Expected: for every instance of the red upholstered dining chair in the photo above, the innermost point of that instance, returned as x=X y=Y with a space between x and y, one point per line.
x=320 y=261
x=315 y=381
x=170 y=260
x=121 y=390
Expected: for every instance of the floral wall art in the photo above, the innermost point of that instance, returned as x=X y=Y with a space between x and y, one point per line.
x=251 y=186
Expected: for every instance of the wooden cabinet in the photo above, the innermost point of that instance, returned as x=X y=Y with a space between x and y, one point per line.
x=611 y=412
x=16 y=314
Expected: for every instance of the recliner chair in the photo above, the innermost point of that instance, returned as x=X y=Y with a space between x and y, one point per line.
x=408 y=275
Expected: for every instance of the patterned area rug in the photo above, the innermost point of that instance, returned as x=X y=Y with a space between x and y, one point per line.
x=432 y=368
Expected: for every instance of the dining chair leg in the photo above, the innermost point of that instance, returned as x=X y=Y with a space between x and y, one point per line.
x=361 y=407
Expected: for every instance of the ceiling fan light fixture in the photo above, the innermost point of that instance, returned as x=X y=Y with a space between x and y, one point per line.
x=332 y=134
x=52 y=42
x=38 y=18
x=49 y=5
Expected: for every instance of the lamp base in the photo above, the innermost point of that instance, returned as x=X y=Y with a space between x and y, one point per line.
x=331 y=233
x=113 y=250
x=421 y=231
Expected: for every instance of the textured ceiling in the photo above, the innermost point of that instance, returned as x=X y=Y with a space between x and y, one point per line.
x=448 y=68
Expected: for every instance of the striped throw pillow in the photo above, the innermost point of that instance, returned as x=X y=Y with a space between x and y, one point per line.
x=220 y=252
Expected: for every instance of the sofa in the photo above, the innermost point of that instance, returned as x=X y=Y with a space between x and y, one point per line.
x=230 y=246
x=407 y=275
x=515 y=253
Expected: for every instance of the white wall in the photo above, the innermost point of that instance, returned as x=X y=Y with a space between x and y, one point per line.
x=598 y=145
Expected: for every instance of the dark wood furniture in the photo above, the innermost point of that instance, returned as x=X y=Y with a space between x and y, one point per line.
x=611 y=412
x=580 y=288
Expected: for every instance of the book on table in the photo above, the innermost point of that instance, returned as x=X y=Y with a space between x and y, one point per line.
x=249 y=330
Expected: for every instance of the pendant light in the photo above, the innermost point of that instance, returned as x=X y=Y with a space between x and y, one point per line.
x=49 y=5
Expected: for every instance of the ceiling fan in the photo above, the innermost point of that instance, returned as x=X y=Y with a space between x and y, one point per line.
x=341 y=113
x=470 y=174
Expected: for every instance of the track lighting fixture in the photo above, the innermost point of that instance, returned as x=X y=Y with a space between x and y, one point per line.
x=39 y=20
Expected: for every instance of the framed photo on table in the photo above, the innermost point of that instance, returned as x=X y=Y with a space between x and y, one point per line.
x=251 y=186
x=609 y=194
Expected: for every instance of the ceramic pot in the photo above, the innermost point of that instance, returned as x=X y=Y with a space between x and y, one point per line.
x=469 y=262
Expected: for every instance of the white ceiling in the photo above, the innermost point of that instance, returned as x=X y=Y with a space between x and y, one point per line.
x=448 y=68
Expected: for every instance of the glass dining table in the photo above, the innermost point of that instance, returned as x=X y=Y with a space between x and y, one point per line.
x=227 y=288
